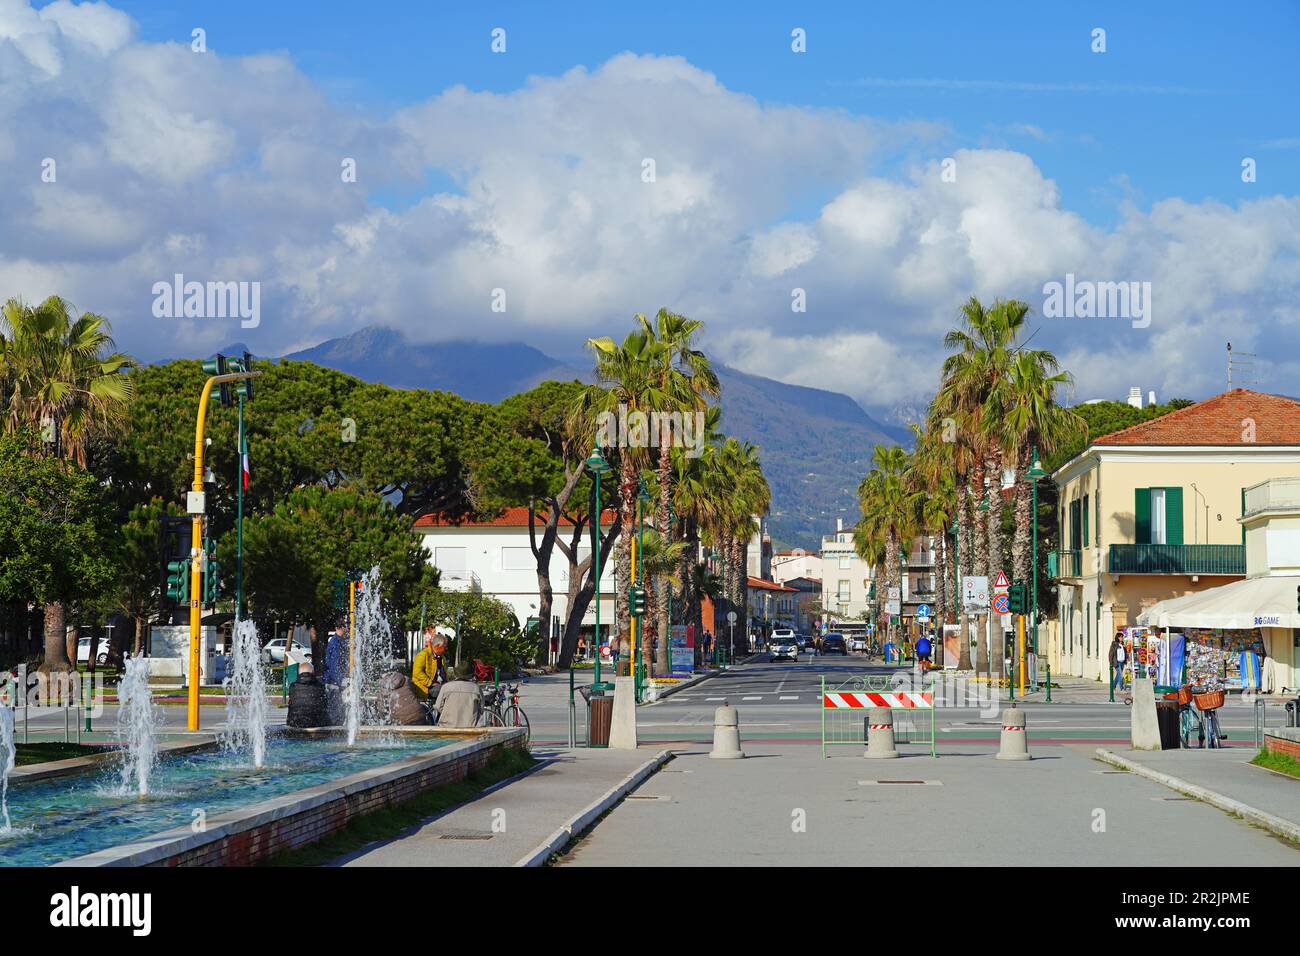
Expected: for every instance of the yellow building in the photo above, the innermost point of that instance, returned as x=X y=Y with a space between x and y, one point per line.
x=1152 y=512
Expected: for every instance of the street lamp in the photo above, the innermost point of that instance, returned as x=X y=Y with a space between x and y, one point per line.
x=638 y=624
x=597 y=465
x=1034 y=474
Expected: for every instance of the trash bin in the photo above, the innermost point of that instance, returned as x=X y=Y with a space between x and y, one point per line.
x=1167 y=722
x=602 y=715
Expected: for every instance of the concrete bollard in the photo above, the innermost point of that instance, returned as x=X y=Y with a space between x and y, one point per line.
x=1014 y=745
x=622 y=728
x=726 y=734
x=880 y=733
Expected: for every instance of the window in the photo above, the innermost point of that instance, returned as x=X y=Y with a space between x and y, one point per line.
x=1158 y=515
x=518 y=559
x=1084 y=513
x=843 y=594
x=845 y=562
x=449 y=559
x=1087 y=629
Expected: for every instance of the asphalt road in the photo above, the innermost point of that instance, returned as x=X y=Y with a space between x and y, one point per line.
x=780 y=702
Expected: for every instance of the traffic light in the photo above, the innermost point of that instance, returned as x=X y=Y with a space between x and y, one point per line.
x=638 y=600
x=177 y=588
x=217 y=365
x=1017 y=595
x=244 y=387
x=211 y=571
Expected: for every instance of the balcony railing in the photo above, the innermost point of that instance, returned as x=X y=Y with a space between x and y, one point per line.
x=925 y=560
x=1177 y=559
x=1067 y=564
x=1274 y=494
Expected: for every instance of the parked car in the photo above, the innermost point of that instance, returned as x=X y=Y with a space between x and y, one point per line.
x=802 y=638
x=273 y=651
x=857 y=643
x=833 y=643
x=782 y=646
x=83 y=651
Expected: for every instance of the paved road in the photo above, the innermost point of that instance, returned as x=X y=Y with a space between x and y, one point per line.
x=787 y=805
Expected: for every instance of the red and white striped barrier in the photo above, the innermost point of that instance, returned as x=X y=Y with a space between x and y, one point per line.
x=842 y=700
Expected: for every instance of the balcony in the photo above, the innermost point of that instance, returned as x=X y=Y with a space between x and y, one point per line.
x=925 y=560
x=1177 y=559
x=1067 y=564
x=1276 y=494
x=460 y=580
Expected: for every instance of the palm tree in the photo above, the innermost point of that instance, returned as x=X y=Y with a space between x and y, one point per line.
x=60 y=373
x=889 y=510
x=627 y=391
x=660 y=559
x=739 y=491
x=1031 y=418
x=685 y=375
x=969 y=395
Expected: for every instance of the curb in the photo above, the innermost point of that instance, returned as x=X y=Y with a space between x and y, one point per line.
x=583 y=819
x=1274 y=824
x=674 y=688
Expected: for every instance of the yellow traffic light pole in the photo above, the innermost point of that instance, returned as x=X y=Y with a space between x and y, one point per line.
x=196 y=542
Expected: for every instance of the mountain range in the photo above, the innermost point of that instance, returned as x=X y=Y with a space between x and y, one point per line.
x=816 y=444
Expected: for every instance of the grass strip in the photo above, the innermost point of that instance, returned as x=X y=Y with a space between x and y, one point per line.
x=1282 y=763
x=388 y=823
x=27 y=754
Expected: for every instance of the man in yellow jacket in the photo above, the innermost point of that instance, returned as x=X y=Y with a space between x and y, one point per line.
x=427 y=668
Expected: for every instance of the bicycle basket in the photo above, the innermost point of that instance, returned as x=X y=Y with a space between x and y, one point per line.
x=1211 y=701
x=1185 y=695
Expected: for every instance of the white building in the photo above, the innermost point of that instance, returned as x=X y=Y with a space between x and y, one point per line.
x=496 y=558
x=788 y=565
x=845 y=577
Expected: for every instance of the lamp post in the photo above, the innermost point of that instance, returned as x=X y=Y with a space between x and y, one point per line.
x=1035 y=474
x=956 y=583
x=638 y=623
x=597 y=465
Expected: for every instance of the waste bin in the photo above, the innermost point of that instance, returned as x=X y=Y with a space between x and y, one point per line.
x=600 y=714
x=1167 y=722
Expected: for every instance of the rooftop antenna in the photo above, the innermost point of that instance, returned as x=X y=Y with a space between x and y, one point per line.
x=1242 y=365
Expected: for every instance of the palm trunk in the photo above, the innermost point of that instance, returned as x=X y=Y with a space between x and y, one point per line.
x=141 y=625
x=623 y=575
x=1021 y=543
x=56 y=639
x=663 y=591
x=980 y=562
x=963 y=617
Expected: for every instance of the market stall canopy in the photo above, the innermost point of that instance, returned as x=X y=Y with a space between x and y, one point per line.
x=1254 y=602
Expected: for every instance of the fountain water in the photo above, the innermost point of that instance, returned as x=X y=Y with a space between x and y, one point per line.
x=371 y=656
x=246 y=708
x=135 y=725
x=8 y=751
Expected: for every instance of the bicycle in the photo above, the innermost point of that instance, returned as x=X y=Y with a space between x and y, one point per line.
x=501 y=709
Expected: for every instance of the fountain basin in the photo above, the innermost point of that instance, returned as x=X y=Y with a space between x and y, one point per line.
x=311 y=786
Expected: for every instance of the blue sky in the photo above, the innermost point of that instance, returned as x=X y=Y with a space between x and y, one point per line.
x=1183 y=92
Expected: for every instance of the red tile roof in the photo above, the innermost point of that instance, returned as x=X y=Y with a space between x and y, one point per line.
x=1226 y=419
x=765 y=585
x=509 y=518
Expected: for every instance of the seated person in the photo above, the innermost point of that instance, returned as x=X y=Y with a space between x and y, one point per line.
x=427 y=669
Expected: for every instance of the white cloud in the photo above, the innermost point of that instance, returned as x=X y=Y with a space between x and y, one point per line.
x=229 y=168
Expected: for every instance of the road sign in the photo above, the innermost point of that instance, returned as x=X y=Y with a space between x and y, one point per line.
x=923 y=612
x=895 y=594
x=1001 y=580
x=975 y=592
x=731 y=617
x=1002 y=604
x=893 y=607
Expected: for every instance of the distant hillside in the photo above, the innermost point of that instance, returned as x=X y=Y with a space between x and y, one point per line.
x=816 y=444
x=478 y=371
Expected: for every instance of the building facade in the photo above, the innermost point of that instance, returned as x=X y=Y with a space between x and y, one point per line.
x=1152 y=512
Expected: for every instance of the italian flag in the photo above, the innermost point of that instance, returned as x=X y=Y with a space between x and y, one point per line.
x=244 y=466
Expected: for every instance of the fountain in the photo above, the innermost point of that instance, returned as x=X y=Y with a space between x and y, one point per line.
x=135 y=725
x=371 y=655
x=8 y=751
x=246 y=708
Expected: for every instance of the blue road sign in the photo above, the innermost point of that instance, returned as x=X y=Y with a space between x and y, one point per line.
x=923 y=611
x=1002 y=604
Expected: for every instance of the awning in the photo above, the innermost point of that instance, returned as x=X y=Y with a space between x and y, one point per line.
x=1254 y=602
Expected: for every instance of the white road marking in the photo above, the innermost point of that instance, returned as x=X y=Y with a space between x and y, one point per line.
x=790 y=697
x=715 y=698
x=751 y=698
x=778 y=687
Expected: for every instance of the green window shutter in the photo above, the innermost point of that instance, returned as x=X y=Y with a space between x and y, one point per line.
x=1243 y=514
x=1074 y=525
x=1173 y=515
x=1096 y=501
x=1142 y=515
x=1084 y=512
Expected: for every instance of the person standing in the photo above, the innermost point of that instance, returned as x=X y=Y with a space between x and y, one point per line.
x=337 y=654
x=1117 y=658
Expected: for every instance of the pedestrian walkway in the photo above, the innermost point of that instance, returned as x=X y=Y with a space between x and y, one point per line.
x=1226 y=772
x=506 y=824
